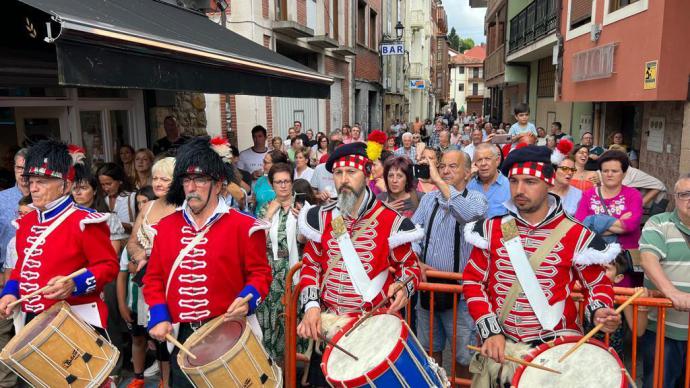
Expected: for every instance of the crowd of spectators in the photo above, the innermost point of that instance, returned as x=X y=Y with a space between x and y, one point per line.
x=441 y=173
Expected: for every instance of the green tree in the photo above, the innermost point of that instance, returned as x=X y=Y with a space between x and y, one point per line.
x=454 y=40
x=466 y=44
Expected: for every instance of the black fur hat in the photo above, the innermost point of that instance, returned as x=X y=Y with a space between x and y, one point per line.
x=53 y=159
x=198 y=156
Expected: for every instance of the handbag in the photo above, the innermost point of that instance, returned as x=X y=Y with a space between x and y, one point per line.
x=631 y=259
x=442 y=301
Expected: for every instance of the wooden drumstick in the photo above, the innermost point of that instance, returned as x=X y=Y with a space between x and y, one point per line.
x=519 y=361
x=41 y=290
x=598 y=327
x=177 y=343
x=220 y=321
x=333 y=344
x=378 y=306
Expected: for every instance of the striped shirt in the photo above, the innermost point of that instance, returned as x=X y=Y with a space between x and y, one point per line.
x=661 y=236
x=459 y=208
x=410 y=154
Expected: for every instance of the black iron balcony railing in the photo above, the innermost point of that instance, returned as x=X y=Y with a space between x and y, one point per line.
x=532 y=23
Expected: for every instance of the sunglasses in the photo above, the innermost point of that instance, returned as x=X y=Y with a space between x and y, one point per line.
x=567 y=169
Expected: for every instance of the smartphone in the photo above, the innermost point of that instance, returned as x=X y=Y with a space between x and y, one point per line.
x=420 y=171
x=501 y=139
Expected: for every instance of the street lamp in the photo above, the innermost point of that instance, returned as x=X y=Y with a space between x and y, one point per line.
x=399 y=30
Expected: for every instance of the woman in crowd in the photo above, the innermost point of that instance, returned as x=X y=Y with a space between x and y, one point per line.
x=263 y=191
x=302 y=169
x=390 y=143
x=570 y=196
x=277 y=144
x=141 y=242
x=85 y=194
x=617 y=139
x=541 y=136
x=347 y=135
x=130 y=301
x=303 y=193
x=319 y=150
x=377 y=182
x=400 y=192
x=621 y=205
x=143 y=160
x=356 y=134
x=283 y=252
x=117 y=193
x=126 y=159
x=234 y=190
x=429 y=155
x=583 y=179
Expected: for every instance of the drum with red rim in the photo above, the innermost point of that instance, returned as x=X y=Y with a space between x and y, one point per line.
x=593 y=365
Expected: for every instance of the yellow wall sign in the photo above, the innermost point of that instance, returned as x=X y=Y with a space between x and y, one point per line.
x=650 y=71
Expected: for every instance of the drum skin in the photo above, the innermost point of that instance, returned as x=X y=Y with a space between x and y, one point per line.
x=69 y=347
x=588 y=365
x=382 y=375
x=234 y=345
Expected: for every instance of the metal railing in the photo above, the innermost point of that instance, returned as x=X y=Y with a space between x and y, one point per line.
x=534 y=22
x=291 y=297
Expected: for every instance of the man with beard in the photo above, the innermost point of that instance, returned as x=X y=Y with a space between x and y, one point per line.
x=508 y=300
x=205 y=256
x=357 y=235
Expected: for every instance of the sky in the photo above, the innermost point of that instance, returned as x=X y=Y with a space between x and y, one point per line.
x=468 y=22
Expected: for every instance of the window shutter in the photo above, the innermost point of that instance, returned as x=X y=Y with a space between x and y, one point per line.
x=580 y=10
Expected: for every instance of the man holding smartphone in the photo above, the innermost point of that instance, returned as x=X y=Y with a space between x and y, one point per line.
x=442 y=213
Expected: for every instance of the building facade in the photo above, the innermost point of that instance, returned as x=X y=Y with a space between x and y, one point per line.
x=467 y=80
x=628 y=61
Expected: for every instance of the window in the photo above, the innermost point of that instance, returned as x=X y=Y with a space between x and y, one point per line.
x=615 y=5
x=581 y=12
x=461 y=88
x=361 y=21
x=475 y=89
x=372 y=29
x=546 y=78
x=461 y=69
x=475 y=72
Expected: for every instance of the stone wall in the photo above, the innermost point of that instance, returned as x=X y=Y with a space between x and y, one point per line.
x=189 y=110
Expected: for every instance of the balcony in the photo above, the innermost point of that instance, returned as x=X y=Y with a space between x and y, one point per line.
x=478 y=3
x=416 y=70
x=416 y=21
x=532 y=24
x=494 y=64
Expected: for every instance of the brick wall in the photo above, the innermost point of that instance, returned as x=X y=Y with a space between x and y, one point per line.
x=345 y=28
x=328 y=116
x=367 y=65
x=264 y=8
x=232 y=132
x=345 y=86
x=269 y=101
x=302 y=12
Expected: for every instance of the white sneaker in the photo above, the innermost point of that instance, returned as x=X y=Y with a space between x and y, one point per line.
x=152 y=370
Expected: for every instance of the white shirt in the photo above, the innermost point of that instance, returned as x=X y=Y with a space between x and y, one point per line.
x=306 y=174
x=322 y=180
x=469 y=150
x=250 y=160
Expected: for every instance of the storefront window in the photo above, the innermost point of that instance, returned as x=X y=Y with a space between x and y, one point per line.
x=92 y=136
x=33 y=92
x=119 y=130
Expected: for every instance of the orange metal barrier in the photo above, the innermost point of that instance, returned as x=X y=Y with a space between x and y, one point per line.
x=291 y=299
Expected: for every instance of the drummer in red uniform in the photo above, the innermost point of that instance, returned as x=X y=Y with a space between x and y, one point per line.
x=59 y=238
x=509 y=301
x=351 y=245
x=205 y=256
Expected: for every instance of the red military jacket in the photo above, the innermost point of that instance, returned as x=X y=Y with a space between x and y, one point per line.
x=489 y=274
x=82 y=240
x=229 y=262
x=386 y=243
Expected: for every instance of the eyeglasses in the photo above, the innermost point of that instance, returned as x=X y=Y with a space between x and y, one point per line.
x=567 y=169
x=683 y=196
x=282 y=183
x=198 y=180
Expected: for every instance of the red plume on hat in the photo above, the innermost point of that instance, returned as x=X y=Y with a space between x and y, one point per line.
x=78 y=154
x=221 y=147
x=375 y=143
x=563 y=148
